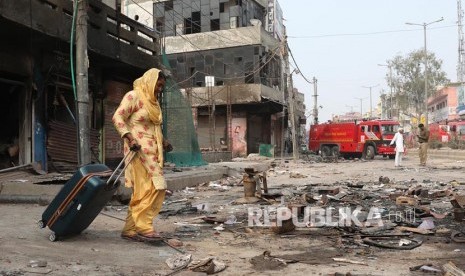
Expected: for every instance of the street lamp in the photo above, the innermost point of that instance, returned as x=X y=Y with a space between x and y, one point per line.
x=371 y=103
x=361 y=107
x=390 y=86
x=426 y=62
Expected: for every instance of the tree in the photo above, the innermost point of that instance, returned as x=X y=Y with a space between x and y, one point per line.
x=408 y=80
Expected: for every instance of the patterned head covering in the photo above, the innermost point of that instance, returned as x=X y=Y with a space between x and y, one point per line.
x=145 y=87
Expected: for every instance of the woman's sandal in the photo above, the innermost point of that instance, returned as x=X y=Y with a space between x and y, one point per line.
x=151 y=236
x=134 y=237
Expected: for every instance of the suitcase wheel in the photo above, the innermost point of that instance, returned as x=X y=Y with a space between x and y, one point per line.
x=41 y=224
x=53 y=237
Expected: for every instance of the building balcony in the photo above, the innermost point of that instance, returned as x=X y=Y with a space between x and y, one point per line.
x=222 y=39
x=233 y=94
x=110 y=34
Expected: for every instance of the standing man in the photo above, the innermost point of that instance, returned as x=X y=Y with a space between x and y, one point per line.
x=423 y=137
x=399 y=141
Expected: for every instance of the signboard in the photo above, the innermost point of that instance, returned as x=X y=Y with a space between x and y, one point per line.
x=461 y=100
x=274 y=20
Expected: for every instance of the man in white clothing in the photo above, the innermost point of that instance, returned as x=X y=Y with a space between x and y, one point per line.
x=399 y=141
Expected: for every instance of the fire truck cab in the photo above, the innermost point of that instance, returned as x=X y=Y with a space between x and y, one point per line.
x=364 y=139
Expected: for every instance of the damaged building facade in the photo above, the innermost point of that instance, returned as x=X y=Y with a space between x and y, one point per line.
x=37 y=102
x=228 y=56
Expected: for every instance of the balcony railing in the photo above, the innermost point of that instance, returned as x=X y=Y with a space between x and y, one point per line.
x=110 y=33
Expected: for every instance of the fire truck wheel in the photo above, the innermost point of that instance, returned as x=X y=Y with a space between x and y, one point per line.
x=392 y=156
x=370 y=152
x=335 y=151
x=325 y=151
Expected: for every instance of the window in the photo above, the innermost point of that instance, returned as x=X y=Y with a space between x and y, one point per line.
x=168 y=5
x=249 y=77
x=196 y=22
x=233 y=22
x=192 y=25
x=179 y=29
x=188 y=25
x=159 y=25
x=214 y=25
x=221 y=7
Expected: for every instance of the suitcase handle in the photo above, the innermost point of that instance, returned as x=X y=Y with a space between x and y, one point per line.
x=129 y=156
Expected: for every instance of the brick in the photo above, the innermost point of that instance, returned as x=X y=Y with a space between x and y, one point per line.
x=405 y=200
x=328 y=191
x=437 y=194
x=460 y=199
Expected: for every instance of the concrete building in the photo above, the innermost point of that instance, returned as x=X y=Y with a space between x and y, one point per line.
x=443 y=105
x=37 y=102
x=229 y=57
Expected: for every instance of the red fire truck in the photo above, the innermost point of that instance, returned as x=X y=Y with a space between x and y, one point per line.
x=439 y=133
x=364 y=139
x=457 y=130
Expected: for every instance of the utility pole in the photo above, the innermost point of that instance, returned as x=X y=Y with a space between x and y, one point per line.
x=461 y=61
x=315 y=102
x=82 y=64
x=291 y=102
x=426 y=62
x=351 y=108
x=390 y=86
x=361 y=107
x=371 y=103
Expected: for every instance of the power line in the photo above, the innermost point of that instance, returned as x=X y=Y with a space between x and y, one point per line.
x=195 y=46
x=292 y=56
x=232 y=78
x=367 y=34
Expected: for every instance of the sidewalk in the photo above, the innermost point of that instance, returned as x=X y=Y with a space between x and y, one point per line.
x=446 y=153
x=24 y=187
x=21 y=186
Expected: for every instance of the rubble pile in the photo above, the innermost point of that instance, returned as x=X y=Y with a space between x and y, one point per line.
x=361 y=217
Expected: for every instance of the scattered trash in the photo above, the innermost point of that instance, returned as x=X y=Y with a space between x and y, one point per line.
x=208 y=265
x=203 y=207
x=178 y=261
x=266 y=262
x=393 y=244
x=297 y=175
x=427 y=268
x=451 y=269
x=231 y=220
x=427 y=224
x=219 y=228
x=175 y=243
x=349 y=261
x=37 y=263
x=384 y=179
x=457 y=237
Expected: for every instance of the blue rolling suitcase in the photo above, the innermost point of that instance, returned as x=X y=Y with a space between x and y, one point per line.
x=81 y=199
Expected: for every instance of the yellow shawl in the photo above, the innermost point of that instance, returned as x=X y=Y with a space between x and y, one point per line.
x=145 y=88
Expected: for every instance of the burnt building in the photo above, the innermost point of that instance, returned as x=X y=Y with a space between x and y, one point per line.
x=37 y=99
x=228 y=56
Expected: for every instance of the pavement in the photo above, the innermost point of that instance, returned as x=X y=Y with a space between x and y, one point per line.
x=26 y=186
x=23 y=186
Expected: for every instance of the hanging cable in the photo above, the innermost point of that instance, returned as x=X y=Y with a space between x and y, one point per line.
x=71 y=50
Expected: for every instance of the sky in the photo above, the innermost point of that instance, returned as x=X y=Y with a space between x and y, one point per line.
x=341 y=43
